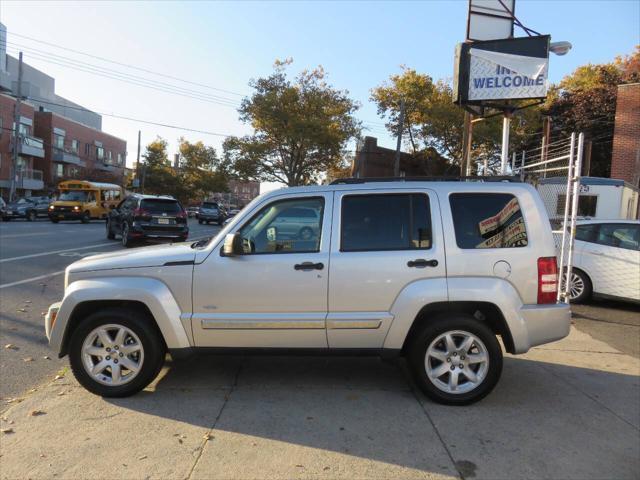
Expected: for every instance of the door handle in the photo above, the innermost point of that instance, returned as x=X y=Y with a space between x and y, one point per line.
x=421 y=263
x=308 y=266
x=597 y=252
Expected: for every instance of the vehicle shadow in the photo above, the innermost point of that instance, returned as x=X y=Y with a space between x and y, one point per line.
x=542 y=420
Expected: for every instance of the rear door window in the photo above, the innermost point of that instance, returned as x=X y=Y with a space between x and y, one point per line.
x=619 y=235
x=158 y=206
x=487 y=220
x=385 y=222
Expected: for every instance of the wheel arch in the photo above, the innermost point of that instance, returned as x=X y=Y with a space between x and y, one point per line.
x=484 y=312
x=149 y=296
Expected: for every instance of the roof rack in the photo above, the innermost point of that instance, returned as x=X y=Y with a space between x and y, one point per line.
x=494 y=178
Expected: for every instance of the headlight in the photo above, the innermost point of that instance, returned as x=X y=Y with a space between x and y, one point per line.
x=76 y=207
x=51 y=207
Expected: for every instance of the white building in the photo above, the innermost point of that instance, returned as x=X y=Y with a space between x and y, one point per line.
x=601 y=198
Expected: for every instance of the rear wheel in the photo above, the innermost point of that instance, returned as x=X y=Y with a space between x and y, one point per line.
x=32 y=216
x=116 y=352
x=580 y=287
x=86 y=217
x=200 y=221
x=456 y=360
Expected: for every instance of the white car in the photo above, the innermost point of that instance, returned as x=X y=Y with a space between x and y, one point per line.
x=606 y=260
x=433 y=271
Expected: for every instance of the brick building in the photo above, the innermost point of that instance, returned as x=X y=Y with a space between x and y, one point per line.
x=374 y=161
x=30 y=149
x=239 y=194
x=74 y=150
x=625 y=160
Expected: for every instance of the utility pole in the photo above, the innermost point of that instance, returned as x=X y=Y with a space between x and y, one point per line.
x=396 y=166
x=16 y=133
x=467 y=134
x=546 y=137
x=138 y=159
x=504 y=157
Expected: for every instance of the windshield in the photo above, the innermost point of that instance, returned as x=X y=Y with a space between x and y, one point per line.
x=161 y=206
x=209 y=205
x=73 y=196
x=22 y=201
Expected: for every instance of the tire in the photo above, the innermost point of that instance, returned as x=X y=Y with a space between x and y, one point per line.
x=220 y=221
x=139 y=330
x=110 y=234
x=200 y=221
x=86 y=217
x=432 y=338
x=305 y=233
x=6 y=219
x=54 y=220
x=126 y=241
x=32 y=216
x=581 y=287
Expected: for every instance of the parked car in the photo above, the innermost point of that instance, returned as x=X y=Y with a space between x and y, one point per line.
x=606 y=260
x=29 y=208
x=211 y=212
x=192 y=211
x=3 y=208
x=147 y=217
x=433 y=271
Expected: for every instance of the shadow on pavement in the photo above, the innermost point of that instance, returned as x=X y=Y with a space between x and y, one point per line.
x=543 y=420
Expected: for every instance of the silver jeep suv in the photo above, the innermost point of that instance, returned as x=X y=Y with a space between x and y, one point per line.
x=433 y=271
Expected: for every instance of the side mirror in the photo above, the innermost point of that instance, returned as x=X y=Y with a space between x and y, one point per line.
x=232 y=245
x=272 y=234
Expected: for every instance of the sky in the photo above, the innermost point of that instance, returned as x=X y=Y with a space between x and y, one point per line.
x=222 y=45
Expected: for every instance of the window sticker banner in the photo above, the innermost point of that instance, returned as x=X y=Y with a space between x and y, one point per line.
x=501 y=76
x=499 y=219
x=513 y=235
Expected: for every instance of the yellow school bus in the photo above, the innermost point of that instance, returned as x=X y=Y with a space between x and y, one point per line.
x=83 y=200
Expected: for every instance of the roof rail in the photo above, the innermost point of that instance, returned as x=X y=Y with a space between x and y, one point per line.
x=494 y=178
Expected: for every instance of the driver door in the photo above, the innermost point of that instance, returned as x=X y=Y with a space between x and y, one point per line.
x=275 y=294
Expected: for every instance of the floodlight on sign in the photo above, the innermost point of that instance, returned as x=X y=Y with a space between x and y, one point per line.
x=490 y=19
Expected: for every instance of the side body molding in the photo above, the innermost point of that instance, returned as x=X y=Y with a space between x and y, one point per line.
x=409 y=302
x=153 y=293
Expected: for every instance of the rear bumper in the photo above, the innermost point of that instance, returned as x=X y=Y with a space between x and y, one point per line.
x=147 y=231
x=544 y=324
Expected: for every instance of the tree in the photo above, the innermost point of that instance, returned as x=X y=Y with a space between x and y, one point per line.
x=201 y=171
x=585 y=101
x=434 y=124
x=301 y=128
x=156 y=173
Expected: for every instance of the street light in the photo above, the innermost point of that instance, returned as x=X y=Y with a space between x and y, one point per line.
x=560 y=48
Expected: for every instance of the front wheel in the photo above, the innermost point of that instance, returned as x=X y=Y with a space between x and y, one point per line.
x=86 y=217
x=126 y=241
x=116 y=352
x=54 y=220
x=32 y=216
x=456 y=360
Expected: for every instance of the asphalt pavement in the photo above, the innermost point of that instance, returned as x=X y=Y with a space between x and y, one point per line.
x=33 y=256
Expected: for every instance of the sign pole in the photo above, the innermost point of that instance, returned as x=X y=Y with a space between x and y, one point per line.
x=504 y=158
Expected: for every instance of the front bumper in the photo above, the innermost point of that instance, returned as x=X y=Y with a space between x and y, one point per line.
x=13 y=214
x=53 y=215
x=545 y=323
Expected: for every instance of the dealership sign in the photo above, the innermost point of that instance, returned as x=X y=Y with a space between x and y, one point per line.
x=500 y=70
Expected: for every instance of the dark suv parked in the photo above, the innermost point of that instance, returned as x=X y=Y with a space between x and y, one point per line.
x=28 y=207
x=147 y=217
x=212 y=212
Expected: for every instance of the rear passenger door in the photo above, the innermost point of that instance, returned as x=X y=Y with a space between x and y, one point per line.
x=382 y=241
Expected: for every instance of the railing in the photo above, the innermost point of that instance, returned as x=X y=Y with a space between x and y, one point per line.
x=30 y=174
x=34 y=142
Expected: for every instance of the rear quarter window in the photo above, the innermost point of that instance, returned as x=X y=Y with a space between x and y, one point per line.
x=487 y=220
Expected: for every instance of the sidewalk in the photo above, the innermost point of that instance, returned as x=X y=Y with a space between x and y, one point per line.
x=566 y=410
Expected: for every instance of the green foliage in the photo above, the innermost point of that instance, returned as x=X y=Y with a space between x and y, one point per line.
x=301 y=128
x=199 y=171
x=585 y=101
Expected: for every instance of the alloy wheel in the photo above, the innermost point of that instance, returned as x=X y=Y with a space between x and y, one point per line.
x=457 y=362
x=112 y=354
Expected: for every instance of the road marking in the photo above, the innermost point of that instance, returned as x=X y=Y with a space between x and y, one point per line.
x=32 y=279
x=18 y=235
x=34 y=255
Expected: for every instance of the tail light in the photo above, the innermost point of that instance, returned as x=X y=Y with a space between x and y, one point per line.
x=181 y=214
x=547 y=280
x=141 y=212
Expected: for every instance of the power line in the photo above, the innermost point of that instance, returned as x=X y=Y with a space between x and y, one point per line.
x=143 y=83
x=131 y=119
x=128 y=65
